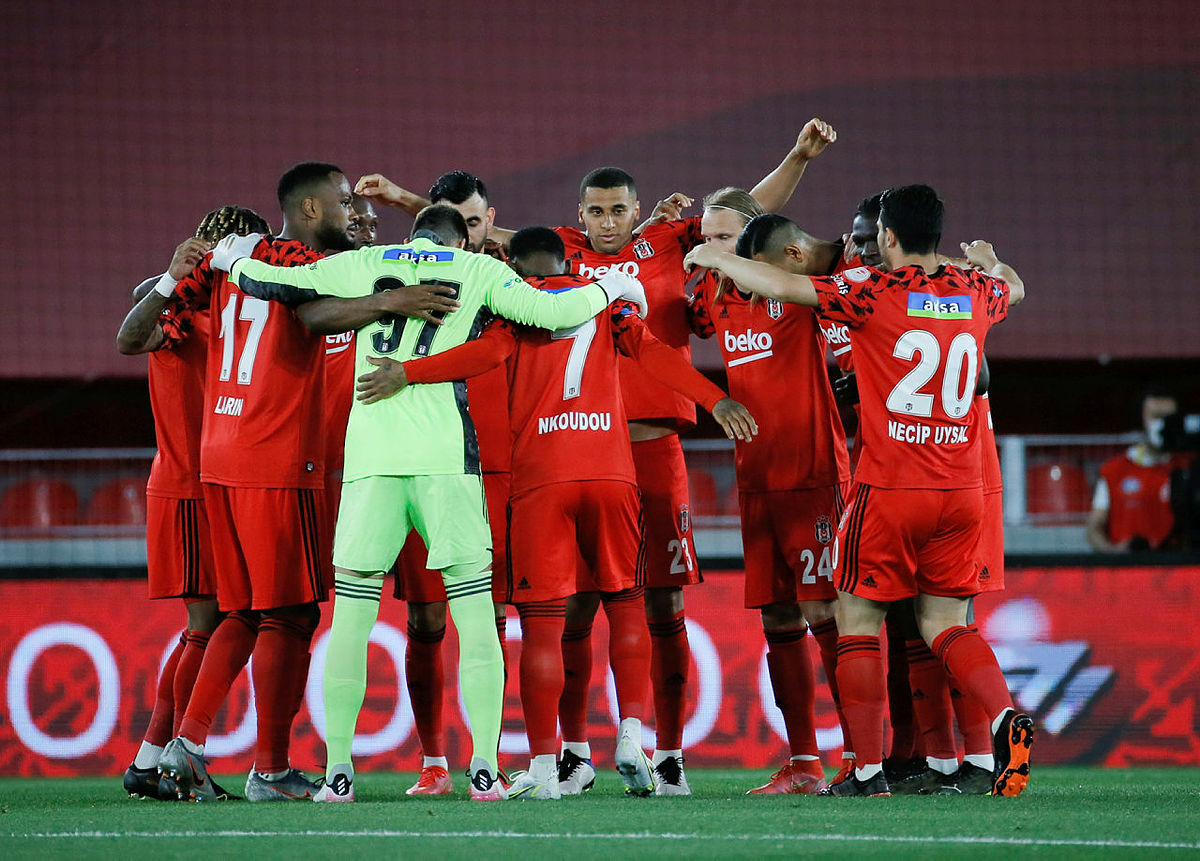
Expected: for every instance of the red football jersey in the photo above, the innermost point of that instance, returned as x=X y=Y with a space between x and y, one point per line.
x=917 y=342
x=264 y=400
x=982 y=415
x=176 y=376
x=339 y=395
x=775 y=357
x=836 y=334
x=654 y=257
x=487 y=401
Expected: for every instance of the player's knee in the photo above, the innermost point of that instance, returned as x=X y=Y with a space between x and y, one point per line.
x=427 y=617
x=816 y=612
x=306 y=616
x=581 y=608
x=203 y=615
x=465 y=571
x=664 y=601
x=781 y=616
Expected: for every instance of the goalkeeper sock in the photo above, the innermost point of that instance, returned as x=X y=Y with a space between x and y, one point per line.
x=480 y=664
x=355 y=608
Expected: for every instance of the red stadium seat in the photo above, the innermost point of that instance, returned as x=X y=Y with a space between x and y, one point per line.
x=702 y=489
x=38 y=503
x=119 y=502
x=1057 y=489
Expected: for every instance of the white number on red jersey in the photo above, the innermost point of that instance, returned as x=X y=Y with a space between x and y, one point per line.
x=907 y=398
x=256 y=312
x=581 y=337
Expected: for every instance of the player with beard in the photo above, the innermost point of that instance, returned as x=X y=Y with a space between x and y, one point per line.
x=789 y=498
x=178 y=543
x=912 y=524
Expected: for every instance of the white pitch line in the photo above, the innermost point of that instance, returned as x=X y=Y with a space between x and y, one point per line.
x=640 y=835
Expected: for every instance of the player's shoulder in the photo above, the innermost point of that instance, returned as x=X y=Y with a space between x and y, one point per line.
x=571 y=236
x=555 y=283
x=284 y=252
x=661 y=231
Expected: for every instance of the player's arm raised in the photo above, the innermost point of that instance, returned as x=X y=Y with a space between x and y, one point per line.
x=755 y=277
x=981 y=255
x=140 y=332
x=380 y=189
x=776 y=188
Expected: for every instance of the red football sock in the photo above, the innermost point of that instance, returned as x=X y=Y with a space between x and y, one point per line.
x=541 y=671
x=793 y=684
x=502 y=633
x=969 y=659
x=577 y=676
x=670 y=659
x=426 y=685
x=281 y=650
x=228 y=650
x=162 y=719
x=973 y=721
x=900 y=705
x=826 y=635
x=862 y=686
x=185 y=673
x=628 y=650
x=931 y=701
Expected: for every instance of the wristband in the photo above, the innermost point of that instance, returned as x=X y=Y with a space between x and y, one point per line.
x=165 y=285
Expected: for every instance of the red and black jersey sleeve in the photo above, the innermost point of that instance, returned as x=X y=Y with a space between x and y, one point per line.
x=700 y=306
x=192 y=294
x=634 y=339
x=850 y=297
x=685 y=231
x=467 y=360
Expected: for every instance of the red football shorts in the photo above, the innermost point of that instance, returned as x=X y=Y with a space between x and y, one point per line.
x=787 y=542
x=573 y=536
x=991 y=543
x=666 y=513
x=272 y=546
x=414 y=582
x=893 y=544
x=179 y=554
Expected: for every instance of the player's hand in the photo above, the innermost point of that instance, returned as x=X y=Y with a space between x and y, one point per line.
x=429 y=302
x=670 y=209
x=980 y=255
x=233 y=248
x=378 y=187
x=617 y=285
x=383 y=382
x=845 y=389
x=188 y=255
x=814 y=137
x=849 y=248
x=703 y=255
x=735 y=419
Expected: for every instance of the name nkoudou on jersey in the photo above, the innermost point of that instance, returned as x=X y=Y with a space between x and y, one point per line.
x=575 y=421
x=918 y=338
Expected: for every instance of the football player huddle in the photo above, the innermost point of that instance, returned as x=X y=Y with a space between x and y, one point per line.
x=493 y=417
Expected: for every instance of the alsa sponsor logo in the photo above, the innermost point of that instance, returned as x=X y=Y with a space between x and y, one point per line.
x=629 y=267
x=922 y=434
x=757 y=344
x=413 y=255
x=939 y=307
x=575 y=421
x=338 y=343
x=228 y=406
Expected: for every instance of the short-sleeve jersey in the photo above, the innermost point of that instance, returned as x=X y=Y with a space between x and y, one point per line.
x=568 y=416
x=917 y=342
x=775 y=357
x=422 y=430
x=265 y=381
x=654 y=257
x=176 y=378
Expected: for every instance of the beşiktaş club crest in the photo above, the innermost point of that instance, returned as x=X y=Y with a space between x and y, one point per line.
x=685 y=518
x=774 y=309
x=642 y=249
x=824 y=529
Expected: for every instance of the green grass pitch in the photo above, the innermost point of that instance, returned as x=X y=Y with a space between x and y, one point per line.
x=1066 y=812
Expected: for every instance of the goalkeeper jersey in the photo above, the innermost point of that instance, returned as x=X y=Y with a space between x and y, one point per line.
x=422 y=430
